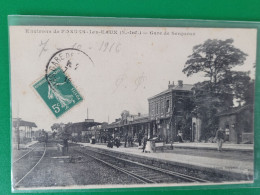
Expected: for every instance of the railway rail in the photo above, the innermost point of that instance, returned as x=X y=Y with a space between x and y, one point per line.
x=33 y=167
x=142 y=172
x=19 y=158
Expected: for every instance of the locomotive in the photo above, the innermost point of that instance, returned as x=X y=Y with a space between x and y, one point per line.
x=43 y=137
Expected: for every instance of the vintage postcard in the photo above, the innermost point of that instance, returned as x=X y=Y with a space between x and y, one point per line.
x=114 y=107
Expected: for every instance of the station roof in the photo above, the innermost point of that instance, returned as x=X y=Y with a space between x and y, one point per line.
x=85 y=124
x=140 y=118
x=184 y=87
x=23 y=123
x=114 y=124
x=132 y=119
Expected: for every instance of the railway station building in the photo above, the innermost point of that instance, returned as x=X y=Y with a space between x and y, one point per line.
x=171 y=113
x=167 y=112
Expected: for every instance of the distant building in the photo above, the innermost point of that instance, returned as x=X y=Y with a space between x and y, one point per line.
x=25 y=129
x=80 y=130
x=238 y=124
x=166 y=111
x=129 y=125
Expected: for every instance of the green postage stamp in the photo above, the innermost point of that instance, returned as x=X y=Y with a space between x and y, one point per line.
x=58 y=92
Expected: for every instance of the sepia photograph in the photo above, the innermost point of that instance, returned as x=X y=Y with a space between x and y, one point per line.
x=119 y=107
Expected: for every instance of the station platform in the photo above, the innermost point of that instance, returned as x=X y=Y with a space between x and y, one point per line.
x=218 y=164
x=25 y=146
x=212 y=146
x=30 y=144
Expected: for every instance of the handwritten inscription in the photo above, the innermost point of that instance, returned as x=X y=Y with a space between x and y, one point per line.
x=109 y=47
x=119 y=81
x=43 y=46
x=139 y=80
x=77 y=46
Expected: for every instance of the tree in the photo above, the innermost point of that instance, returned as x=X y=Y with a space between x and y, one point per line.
x=61 y=129
x=249 y=93
x=215 y=58
x=57 y=126
x=236 y=82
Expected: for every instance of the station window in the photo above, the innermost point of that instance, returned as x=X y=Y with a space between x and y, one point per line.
x=157 y=108
x=162 y=107
x=167 y=106
x=180 y=106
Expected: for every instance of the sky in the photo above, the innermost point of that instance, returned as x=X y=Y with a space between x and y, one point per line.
x=120 y=69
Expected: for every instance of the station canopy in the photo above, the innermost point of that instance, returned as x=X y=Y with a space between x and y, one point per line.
x=23 y=123
x=85 y=124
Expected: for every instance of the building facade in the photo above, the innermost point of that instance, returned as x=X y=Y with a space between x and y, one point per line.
x=238 y=124
x=167 y=111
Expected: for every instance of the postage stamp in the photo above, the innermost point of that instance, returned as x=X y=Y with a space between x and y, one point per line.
x=58 y=92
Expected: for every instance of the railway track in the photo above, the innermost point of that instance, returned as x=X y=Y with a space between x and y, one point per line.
x=34 y=156
x=25 y=154
x=142 y=172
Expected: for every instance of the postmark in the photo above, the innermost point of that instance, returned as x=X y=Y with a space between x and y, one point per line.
x=58 y=92
x=56 y=87
x=69 y=60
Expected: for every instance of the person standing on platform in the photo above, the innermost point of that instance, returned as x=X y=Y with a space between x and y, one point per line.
x=46 y=138
x=180 y=135
x=117 y=142
x=66 y=146
x=140 y=137
x=220 y=138
x=126 y=136
x=144 y=142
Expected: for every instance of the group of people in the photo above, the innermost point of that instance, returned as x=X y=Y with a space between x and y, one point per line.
x=111 y=142
x=143 y=140
x=220 y=137
x=128 y=141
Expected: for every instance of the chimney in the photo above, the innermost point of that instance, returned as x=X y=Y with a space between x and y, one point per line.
x=180 y=83
x=170 y=85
